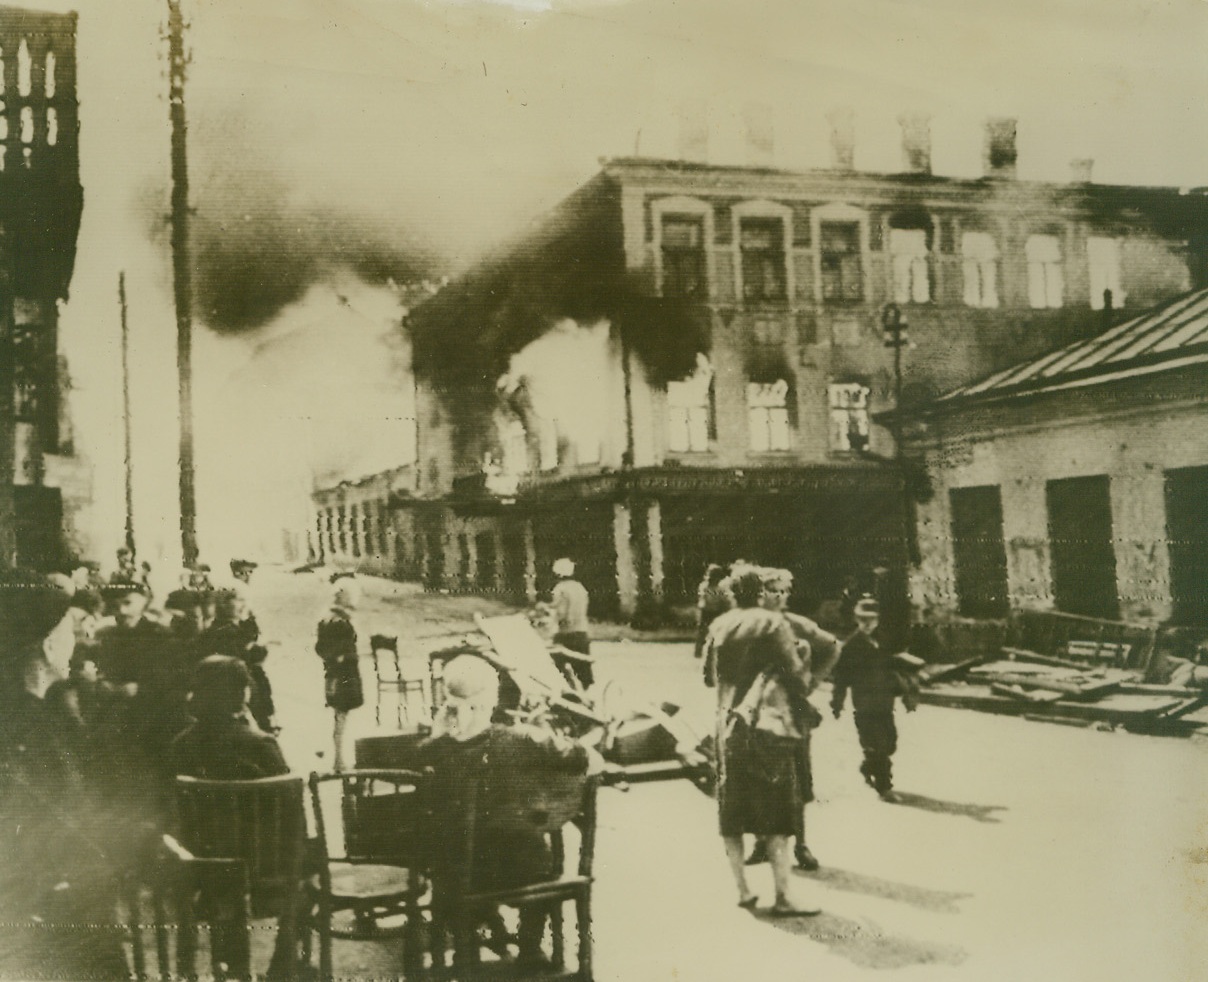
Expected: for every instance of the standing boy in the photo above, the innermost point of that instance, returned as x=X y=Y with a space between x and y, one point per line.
x=867 y=670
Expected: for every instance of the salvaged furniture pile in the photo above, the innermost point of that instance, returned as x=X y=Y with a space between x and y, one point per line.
x=1065 y=668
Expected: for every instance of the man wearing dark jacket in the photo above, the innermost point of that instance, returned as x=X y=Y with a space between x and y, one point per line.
x=867 y=670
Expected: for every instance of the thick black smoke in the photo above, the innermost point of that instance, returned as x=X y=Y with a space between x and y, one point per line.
x=254 y=251
x=572 y=266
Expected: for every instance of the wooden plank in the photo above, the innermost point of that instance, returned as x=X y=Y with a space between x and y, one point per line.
x=1183 y=708
x=1060 y=720
x=1090 y=690
x=1135 y=712
x=1022 y=654
x=1145 y=689
x=1018 y=692
x=942 y=673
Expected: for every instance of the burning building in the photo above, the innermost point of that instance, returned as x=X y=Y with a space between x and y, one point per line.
x=40 y=205
x=680 y=363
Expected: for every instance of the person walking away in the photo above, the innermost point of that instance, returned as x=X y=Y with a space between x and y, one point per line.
x=754 y=653
x=867 y=671
x=711 y=601
x=570 y=602
x=818 y=650
x=336 y=644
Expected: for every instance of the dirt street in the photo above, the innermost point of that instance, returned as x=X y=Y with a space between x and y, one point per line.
x=1020 y=850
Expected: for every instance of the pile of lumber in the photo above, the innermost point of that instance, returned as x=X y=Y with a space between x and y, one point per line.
x=1064 y=689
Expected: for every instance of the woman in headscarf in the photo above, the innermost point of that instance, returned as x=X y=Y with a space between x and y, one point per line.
x=753 y=651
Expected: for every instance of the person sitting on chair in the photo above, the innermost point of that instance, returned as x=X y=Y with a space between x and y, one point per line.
x=222 y=744
x=489 y=772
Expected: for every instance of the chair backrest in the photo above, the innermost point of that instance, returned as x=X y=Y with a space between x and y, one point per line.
x=555 y=802
x=385 y=658
x=261 y=822
x=380 y=816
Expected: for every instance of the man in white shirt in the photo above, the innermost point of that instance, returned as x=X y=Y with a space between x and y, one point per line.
x=570 y=603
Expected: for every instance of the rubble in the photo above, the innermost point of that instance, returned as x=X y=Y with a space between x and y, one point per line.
x=1093 y=672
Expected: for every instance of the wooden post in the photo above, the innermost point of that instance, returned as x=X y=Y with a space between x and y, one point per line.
x=181 y=278
x=121 y=293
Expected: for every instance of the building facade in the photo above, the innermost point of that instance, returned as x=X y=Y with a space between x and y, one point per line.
x=354 y=526
x=681 y=363
x=41 y=482
x=1077 y=481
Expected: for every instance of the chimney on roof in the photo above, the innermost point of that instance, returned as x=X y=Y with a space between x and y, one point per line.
x=916 y=142
x=843 y=138
x=1000 y=152
x=760 y=131
x=694 y=131
x=1081 y=169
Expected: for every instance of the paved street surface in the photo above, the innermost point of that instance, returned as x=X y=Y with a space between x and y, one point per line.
x=1021 y=850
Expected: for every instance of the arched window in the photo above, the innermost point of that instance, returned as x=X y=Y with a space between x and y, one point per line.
x=690 y=410
x=979 y=255
x=768 y=415
x=910 y=234
x=1046 y=284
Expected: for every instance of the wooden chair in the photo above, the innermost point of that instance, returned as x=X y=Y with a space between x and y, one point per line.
x=463 y=910
x=369 y=855
x=237 y=855
x=408 y=677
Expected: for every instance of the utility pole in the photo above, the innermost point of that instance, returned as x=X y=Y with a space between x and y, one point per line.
x=121 y=295
x=181 y=273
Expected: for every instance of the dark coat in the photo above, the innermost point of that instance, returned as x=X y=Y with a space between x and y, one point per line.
x=336 y=644
x=228 y=749
x=866 y=669
x=502 y=778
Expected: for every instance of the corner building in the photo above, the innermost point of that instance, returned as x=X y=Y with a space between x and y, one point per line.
x=681 y=362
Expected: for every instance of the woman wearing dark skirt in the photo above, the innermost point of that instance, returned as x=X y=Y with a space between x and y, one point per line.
x=336 y=644
x=758 y=790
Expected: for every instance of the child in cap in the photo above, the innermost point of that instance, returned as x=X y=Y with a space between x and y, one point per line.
x=868 y=671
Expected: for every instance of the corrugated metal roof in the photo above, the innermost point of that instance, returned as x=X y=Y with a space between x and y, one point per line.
x=1167 y=337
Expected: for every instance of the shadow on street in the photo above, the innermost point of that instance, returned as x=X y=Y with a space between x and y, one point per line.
x=863 y=944
x=979 y=813
x=938 y=901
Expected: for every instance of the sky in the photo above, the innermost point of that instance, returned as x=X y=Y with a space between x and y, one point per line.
x=337 y=144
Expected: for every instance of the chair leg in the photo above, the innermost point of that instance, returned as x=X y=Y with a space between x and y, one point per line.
x=413 y=943
x=557 y=918
x=161 y=931
x=583 y=917
x=130 y=901
x=325 y=963
x=186 y=942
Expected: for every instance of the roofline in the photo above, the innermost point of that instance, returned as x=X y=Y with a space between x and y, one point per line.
x=617 y=166
x=1098 y=375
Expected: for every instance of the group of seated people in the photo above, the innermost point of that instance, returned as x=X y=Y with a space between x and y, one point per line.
x=93 y=735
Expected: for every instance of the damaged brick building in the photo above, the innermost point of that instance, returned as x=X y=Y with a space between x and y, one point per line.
x=681 y=362
x=40 y=205
x=1076 y=481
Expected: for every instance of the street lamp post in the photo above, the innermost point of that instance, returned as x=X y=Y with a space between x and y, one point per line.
x=893 y=328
